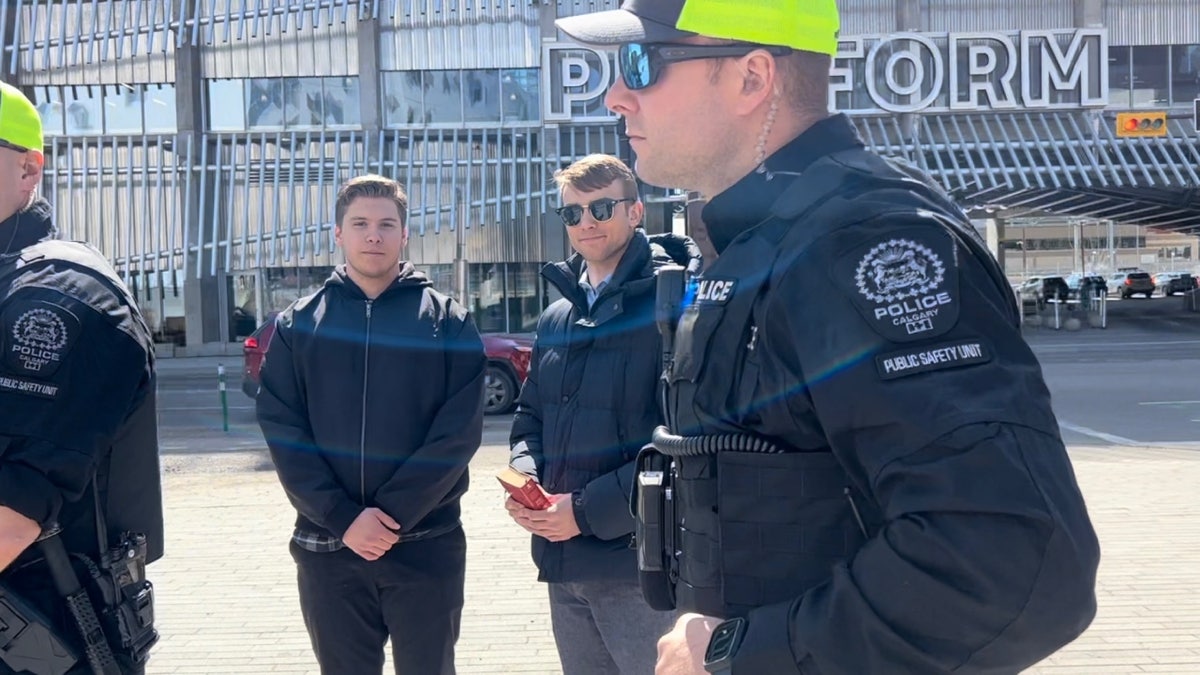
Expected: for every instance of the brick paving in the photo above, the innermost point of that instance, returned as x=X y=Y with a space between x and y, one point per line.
x=227 y=603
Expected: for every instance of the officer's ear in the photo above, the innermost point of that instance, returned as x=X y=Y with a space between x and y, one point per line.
x=760 y=75
x=31 y=170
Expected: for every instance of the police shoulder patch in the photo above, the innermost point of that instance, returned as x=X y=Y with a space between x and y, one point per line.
x=37 y=336
x=916 y=360
x=905 y=284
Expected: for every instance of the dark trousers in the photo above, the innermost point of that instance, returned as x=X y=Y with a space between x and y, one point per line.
x=413 y=594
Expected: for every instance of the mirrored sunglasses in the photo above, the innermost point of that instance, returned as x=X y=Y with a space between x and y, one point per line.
x=641 y=63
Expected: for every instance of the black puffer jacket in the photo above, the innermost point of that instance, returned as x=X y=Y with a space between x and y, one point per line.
x=591 y=402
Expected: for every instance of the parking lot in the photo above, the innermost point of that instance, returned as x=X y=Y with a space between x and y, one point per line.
x=1125 y=397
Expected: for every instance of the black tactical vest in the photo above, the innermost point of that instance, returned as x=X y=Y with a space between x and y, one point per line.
x=128 y=479
x=755 y=528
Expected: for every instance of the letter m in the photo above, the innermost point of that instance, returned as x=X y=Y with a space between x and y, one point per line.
x=1082 y=67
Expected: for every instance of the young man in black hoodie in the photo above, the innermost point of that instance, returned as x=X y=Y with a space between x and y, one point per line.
x=371 y=402
x=589 y=404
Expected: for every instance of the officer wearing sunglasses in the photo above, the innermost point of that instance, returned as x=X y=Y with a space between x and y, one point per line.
x=865 y=474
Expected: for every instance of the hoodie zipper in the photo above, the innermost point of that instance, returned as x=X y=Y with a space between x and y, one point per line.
x=362 y=441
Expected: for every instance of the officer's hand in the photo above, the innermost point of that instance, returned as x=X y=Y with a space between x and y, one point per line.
x=681 y=652
x=372 y=534
x=519 y=514
x=556 y=523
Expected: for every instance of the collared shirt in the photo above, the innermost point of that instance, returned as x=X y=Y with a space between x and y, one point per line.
x=592 y=293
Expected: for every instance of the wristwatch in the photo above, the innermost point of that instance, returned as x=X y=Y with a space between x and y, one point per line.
x=724 y=643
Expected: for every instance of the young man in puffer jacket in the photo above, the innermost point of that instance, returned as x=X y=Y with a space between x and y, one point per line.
x=588 y=406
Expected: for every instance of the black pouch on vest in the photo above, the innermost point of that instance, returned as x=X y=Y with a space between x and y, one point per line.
x=784 y=522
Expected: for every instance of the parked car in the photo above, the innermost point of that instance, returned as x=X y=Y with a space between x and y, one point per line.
x=1129 y=284
x=1040 y=290
x=1085 y=286
x=1170 y=283
x=507 y=354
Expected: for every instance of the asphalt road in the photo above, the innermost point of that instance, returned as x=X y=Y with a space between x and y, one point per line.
x=1134 y=383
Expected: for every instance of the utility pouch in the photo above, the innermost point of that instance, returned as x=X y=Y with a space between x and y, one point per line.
x=126 y=598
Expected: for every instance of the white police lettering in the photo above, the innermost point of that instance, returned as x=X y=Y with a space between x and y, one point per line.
x=27 y=387
x=39 y=336
x=715 y=291
x=903 y=277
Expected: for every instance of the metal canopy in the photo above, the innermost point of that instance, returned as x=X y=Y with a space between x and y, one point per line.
x=1060 y=162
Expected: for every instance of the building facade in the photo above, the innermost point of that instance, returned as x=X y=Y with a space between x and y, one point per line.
x=199 y=143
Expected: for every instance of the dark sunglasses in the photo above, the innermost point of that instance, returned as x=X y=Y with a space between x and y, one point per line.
x=641 y=64
x=601 y=210
x=9 y=146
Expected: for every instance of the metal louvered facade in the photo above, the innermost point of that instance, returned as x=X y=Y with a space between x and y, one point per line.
x=200 y=143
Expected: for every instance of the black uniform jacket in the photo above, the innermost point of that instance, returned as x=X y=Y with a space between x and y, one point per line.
x=590 y=403
x=887 y=343
x=374 y=403
x=76 y=392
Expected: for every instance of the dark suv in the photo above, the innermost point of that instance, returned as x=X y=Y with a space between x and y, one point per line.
x=1040 y=290
x=507 y=354
x=1177 y=283
x=1136 y=283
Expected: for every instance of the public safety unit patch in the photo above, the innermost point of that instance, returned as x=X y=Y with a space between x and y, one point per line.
x=916 y=360
x=37 y=335
x=905 y=285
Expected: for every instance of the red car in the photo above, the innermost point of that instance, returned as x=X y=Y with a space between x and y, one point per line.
x=507 y=354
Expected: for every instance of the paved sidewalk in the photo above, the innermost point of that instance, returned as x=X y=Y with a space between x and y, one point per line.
x=227 y=599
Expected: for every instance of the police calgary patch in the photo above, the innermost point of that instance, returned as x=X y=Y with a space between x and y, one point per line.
x=905 y=284
x=37 y=336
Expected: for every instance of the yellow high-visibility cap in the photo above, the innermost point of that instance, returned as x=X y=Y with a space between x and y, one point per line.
x=19 y=121
x=807 y=25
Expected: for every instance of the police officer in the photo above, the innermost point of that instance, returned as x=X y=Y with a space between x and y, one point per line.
x=78 y=431
x=868 y=476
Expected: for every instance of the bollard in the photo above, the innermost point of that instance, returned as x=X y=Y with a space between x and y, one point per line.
x=224 y=399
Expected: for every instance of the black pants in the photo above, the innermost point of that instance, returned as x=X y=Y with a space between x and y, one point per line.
x=413 y=594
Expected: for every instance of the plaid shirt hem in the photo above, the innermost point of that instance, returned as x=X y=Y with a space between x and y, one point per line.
x=317 y=543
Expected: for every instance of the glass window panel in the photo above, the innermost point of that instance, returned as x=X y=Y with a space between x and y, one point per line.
x=123 y=109
x=481 y=95
x=523 y=298
x=519 y=94
x=443 y=97
x=1185 y=73
x=402 y=104
x=341 y=101
x=264 y=103
x=227 y=105
x=1150 y=76
x=83 y=106
x=50 y=108
x=304 y=103
x=1119 y=77
x=486 y=292
x=158 y=101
